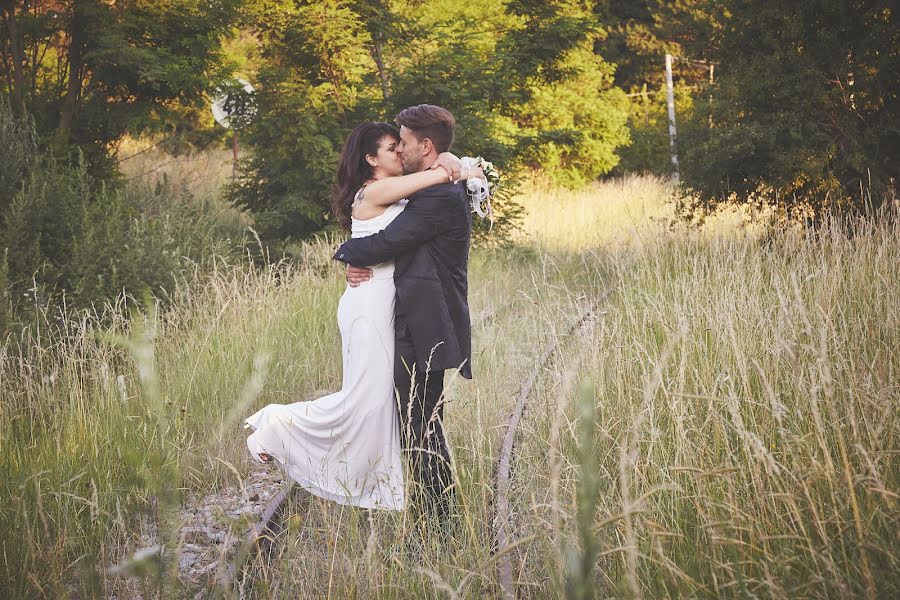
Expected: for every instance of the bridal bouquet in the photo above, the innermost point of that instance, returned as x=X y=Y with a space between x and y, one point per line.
x=480 y=191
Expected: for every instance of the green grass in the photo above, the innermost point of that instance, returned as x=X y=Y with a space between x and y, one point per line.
x=745 y=402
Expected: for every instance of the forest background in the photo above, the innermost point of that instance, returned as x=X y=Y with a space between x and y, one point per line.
x=795 y=106
x=736 y=335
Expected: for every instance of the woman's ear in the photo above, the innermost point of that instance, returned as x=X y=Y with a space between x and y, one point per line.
x=371 y=160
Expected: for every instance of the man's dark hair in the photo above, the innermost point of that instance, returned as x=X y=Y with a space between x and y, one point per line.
x=429 y=121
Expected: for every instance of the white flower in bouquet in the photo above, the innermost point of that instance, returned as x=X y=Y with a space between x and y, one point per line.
x=481 y=191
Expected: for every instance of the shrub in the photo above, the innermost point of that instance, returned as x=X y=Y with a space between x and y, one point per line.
x=67 y=237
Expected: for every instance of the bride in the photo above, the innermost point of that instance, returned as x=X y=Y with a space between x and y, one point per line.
x=346 y=446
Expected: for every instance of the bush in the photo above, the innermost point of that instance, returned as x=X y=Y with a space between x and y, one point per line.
x=522 y=78
x=649 y=151
x=67 y=237
x=804 y=107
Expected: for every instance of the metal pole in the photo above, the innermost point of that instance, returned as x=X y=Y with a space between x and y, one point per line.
x=670 y=100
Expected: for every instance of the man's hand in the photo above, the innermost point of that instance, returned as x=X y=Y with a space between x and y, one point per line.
x=357 y=275
x=450 y=163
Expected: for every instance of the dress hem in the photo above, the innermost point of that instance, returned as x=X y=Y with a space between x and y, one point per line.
x=316 y=490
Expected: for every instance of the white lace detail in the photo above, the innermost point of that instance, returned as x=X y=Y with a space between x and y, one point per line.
x=479 y=191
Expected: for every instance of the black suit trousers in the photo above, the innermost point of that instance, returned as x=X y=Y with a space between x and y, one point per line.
x=421 y=406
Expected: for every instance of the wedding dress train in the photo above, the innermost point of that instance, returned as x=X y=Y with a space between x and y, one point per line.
x=346 y=446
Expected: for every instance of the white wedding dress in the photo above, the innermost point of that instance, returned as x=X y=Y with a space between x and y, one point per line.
x=346 y=446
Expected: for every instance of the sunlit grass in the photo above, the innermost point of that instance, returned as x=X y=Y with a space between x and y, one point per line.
x=745 y=398
x=617 y=214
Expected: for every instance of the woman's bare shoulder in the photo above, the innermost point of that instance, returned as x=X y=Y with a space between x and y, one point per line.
x=363 y=211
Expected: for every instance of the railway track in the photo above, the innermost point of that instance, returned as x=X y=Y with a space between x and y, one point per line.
x=260 y=537
x=262 y=534
x=503 y=536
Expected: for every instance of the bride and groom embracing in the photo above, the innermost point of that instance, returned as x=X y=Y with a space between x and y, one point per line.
x=403 y=319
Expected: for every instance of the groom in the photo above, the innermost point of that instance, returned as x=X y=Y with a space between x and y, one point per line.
x=429 y=243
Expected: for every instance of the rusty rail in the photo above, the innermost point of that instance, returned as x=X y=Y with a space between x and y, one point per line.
x=501 y=521
x=260 y=536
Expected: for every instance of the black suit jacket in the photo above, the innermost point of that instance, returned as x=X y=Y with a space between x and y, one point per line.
x=429 y=242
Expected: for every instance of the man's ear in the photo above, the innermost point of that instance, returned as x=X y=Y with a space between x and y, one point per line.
x=427 y=146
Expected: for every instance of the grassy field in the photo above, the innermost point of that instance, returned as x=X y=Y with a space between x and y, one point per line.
x=740 y=380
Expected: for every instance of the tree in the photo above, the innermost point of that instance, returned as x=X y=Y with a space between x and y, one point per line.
x=68 y=239
x=510 y=71
x=805 y=104
x=640 y=34
x=92 y=70
x=571 y=134
x=311 y=89
x=75 y=76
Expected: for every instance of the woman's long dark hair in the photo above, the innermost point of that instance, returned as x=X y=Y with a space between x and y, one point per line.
x=353 y=170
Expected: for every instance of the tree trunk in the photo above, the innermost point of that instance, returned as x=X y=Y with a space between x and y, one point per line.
x=76 y=63
x=377 y=46
x=17 y=51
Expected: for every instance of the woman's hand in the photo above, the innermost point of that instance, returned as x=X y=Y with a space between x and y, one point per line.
x=476 y=172
x=450 y=163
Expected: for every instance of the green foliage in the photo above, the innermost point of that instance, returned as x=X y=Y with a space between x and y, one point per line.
x=20 y=152
x=804 y=107
x=569 y=136
x=66 y=237
x=90 y=71
x=649 y=151
x=77 y=77
x=519 y=76
x=639 y=35
x=635 y=41
x=309 y=84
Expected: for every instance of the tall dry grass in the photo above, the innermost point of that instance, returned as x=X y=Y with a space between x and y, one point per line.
x=742 y=382
x=745 y=431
